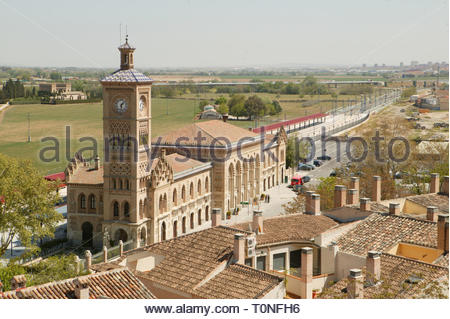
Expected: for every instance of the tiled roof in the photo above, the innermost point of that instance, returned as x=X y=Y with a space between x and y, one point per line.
x=290 y=228
x=182 y=163
x=381 y=231
x=375 y=207
x=440 y=201
x=115 y=284
x=128 y=76
x=188 y=262
x=346 y=214
x=208 y=130
x=87 y=175
x=393 y=284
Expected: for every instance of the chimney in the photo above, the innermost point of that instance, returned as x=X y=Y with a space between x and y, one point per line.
x=88 y=256
x=216 y=217
x=18 y=281
x=97 y=162
x=373 y=266
x=355 y=286
x=315 y=204
x=306 y=273
x=434 y=183
x=339 y=195
x=444 y=189
x=308 y=207
x=442 y=226
x=354 y=184
x=394 y=208
x=81 y=288
x=364 y=204
x=432 y=213
x=239 y=248
x=352 y=197
x=376 y=190
x=77 y=264
x=258 y=222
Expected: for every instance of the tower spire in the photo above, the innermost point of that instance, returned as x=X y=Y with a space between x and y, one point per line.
x=126 y=55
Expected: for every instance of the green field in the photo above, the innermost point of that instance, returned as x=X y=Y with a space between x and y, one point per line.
x=85 y=120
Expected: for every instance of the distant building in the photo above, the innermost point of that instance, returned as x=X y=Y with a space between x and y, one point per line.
x=62 y=91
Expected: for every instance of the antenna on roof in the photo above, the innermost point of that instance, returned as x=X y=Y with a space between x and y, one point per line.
x=126 y=32
x=120 y=33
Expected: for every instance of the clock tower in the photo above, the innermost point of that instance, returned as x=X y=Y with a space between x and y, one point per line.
x=127 y=133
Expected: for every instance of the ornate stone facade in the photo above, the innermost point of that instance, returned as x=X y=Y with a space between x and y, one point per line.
x=147 y=200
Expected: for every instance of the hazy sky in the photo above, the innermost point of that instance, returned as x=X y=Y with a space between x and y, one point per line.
x=198 y=33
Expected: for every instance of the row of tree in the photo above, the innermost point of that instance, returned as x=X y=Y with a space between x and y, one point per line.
x=240 y=106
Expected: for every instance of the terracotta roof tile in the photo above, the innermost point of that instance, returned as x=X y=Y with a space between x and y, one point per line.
x=189 y=260
x=440 y=201
x=87 y=175
x=381 y=231
x=290 y=228
x=208 y=130
x=115 y=284
x=393 y=284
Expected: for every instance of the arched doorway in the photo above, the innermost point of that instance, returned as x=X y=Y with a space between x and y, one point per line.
x=87 y=234
x=121 y=235
x=163 y=231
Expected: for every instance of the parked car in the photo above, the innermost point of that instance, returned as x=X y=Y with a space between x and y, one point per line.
x=305 y=167
x=296 y=180
x=333 y=173
x=317 y=163
x=324 y=158
x=306 y=179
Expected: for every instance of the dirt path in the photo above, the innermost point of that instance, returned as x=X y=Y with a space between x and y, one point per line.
x=3 y=112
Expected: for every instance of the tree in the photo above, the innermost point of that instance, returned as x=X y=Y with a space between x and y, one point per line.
x=55 y=76
x=290 y=152
x=54 y=268
x=222 y=109
x=27 y=204
x=202 y=105
x=295 y=206
x=277 y=106
x=236 y=105
x=326 y=191
x=221 y=100
x=254 y=106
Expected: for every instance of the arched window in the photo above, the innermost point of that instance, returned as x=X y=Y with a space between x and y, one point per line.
x=175 y=229
x=192 y=220
x=161 y=204
x=191 y=190
x=120 y=184
x=183 y=193
x=165 y=202
x=183 y=225
x=116 y=209
x=206 y=213
x=114 y=183
x=141 y=209
x=199 y=187
x=175 y=197
x=127 y=184
x=92 y=201
x=199 y=217
x=126 y=209
x=206 y=184
x=82 y=201
x=163 y=231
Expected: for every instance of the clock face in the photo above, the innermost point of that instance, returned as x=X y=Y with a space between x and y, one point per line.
x=141 y=104
x=121 y=105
